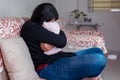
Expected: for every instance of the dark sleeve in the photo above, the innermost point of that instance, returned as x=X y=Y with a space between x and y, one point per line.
x=43 y=35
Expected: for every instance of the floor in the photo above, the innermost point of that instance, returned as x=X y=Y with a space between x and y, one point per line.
x=112 y=69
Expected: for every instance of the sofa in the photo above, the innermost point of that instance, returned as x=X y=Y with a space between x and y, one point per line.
x=15 y=60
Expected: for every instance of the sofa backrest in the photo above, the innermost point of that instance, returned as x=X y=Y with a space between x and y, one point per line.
x=10 y=27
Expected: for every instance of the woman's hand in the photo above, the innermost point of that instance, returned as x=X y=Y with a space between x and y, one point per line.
x=46 y=47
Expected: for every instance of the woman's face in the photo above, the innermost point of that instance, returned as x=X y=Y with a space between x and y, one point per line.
x=52 y=20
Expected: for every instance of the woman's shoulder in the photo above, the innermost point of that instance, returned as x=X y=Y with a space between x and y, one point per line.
x=31 y=24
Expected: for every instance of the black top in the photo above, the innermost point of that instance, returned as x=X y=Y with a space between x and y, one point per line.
x=33 y=34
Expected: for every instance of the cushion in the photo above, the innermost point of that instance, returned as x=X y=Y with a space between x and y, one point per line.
x=85 y=39
x=17 y=59
x=10 y=27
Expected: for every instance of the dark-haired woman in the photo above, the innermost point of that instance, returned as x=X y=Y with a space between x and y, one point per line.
x=62 y=65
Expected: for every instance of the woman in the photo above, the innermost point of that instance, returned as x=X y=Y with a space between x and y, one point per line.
x=62 y=65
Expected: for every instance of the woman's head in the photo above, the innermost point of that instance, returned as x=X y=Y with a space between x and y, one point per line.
x=44 y=12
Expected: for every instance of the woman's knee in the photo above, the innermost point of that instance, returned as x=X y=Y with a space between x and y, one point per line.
x=101 y=60
x=98 y=65
x=97 y=50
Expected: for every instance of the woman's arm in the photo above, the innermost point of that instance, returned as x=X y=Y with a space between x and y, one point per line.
x=46 y=47
x=43 y=35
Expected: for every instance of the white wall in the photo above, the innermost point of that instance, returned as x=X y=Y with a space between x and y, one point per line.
x=111 y=28
x=50 y=1
x=21 y=8
x=110 y=21
x=64 y=7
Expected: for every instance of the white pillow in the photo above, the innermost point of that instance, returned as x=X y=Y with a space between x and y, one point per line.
x=17 y=59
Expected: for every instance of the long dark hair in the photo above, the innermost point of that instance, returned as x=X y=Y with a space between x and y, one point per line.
x=44 y=12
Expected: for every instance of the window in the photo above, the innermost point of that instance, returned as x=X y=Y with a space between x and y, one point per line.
x=107 y=5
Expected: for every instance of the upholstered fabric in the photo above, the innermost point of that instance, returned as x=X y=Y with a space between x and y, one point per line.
x=4 y=74
x=17 y=59
x=10 y=27
x=85 y=39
